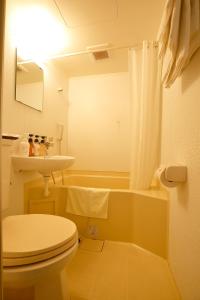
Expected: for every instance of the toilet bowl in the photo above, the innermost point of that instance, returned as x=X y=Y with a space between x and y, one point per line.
x=36 y=250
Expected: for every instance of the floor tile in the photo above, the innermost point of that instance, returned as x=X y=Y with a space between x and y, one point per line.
x=91 y=245
x=122 y=271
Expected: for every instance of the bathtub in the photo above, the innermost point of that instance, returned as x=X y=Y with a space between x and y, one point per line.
x=140 y=217
x=112 y=180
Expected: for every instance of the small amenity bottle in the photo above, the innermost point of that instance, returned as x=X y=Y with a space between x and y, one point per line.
x=36 y=145
x=31 y=147
x=24 y=146
x=42 y=148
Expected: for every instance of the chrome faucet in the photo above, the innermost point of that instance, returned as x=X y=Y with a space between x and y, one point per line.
x=48 y=144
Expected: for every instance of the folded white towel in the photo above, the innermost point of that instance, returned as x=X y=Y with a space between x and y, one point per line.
x=88 y=202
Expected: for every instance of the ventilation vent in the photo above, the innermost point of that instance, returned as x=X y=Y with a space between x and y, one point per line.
x=98 y=55
x=99 y=52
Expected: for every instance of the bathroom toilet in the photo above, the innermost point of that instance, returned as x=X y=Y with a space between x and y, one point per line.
x=36 y=250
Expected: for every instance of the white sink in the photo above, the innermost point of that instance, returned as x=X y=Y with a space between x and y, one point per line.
x=42 y=164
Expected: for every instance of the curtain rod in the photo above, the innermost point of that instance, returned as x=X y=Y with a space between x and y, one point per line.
x=76 y=53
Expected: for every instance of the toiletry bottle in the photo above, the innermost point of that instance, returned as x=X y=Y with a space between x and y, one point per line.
x=31 y=147
x=36 y=145
x=24 y=146
x=44 y=137
x=42 y=149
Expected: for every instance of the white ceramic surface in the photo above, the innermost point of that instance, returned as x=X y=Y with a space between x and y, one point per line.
x=42 y=164
x=36 y=237
x=44 y=279
x=47 y=278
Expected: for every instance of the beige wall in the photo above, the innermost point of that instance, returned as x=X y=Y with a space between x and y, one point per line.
x=18 y=118
x=181 y=143
x=99 y=122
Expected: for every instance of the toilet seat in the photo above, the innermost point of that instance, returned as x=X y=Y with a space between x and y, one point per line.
x=33 y=238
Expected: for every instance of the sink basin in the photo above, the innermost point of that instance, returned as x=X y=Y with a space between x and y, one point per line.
x=42 y=164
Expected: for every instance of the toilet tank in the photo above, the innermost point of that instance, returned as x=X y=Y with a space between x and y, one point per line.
x=8 y=147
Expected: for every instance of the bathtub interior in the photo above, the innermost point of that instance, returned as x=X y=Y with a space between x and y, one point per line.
x=96 y=179
x=140 y=217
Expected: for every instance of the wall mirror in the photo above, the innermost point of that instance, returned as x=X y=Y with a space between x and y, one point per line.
x=29 y=86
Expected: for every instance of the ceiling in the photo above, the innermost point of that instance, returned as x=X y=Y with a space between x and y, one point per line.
x=93 y=22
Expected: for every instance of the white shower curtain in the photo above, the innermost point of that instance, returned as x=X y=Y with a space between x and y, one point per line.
x=145 y=72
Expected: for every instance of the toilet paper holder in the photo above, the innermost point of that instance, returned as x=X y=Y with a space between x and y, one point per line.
x=171 y=176
x=176 y=173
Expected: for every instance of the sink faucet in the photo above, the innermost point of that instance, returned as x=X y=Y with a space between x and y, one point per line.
x=47 y=145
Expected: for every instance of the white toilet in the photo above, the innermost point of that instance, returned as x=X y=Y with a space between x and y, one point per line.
x=36 y=250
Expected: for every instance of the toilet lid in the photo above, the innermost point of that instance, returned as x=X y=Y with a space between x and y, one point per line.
x=32 y=238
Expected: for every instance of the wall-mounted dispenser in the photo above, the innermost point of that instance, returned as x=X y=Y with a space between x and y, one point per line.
x=172 y=176
x=59 y=136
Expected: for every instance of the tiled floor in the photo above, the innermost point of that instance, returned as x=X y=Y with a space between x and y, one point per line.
x=119 y=271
